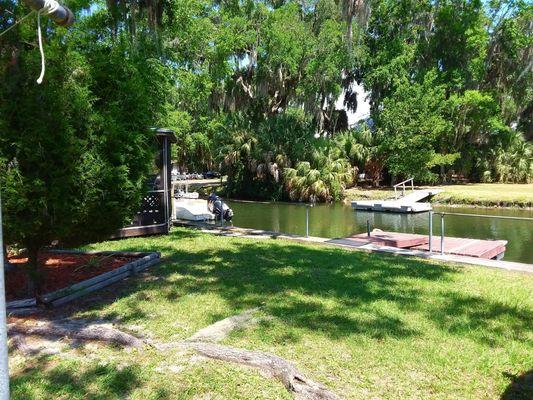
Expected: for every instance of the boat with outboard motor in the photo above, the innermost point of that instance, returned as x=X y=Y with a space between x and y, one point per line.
x=220 y=209
x=194 y=209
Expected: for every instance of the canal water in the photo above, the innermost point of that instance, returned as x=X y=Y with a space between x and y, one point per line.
x=340 y=220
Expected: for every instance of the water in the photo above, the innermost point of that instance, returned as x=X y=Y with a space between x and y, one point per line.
x=340 y=220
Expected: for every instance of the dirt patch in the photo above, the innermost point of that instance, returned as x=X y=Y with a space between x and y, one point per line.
x=60 y=271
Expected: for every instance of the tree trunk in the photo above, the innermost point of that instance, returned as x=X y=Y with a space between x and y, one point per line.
x=34 y=272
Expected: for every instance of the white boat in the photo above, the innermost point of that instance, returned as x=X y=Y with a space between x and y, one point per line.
x=180 y=194
x=192 y=210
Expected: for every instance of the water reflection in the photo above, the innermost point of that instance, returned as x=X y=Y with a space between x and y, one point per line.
x=338 y=220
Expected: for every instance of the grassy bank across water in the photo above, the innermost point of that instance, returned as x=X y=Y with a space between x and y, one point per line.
x=474 y=194
x=365 y=325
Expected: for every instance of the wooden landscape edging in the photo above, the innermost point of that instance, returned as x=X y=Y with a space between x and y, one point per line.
x=21 y=305
x=72 y=292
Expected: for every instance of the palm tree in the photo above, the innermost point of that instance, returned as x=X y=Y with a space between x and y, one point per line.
x=323 y=180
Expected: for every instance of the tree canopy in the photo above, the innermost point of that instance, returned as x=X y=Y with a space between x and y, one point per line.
x=254 y=88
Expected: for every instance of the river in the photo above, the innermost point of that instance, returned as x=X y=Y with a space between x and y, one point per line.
x=340 y=220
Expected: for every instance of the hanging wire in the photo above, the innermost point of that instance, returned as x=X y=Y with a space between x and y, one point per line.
x=49 y=7
x=18 y=22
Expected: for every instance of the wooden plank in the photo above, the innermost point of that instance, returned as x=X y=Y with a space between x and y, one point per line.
x=392 y=239
x=87 y=290
x=147 y=264
x=131 y=267
x=48 y=297
x=22 y=311
x=21 y=303
x=104 y=253
x=467 y=247
x=133 y=231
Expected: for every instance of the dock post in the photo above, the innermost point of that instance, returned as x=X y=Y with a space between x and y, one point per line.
x=442 y=234
x=368 y=227
x=430 y=229
x=307 y=221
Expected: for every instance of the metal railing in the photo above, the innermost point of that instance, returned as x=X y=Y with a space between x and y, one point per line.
x=443 y=214
x=402 y=184
x=307 y=207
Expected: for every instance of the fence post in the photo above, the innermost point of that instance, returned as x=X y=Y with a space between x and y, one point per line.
x=368 y=227
x=430 y=230
x=442 y=233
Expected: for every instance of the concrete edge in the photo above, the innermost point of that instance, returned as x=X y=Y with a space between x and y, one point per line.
x=369 y=248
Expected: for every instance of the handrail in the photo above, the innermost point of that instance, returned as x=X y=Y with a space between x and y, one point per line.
x=401 y=183
x=483 y=216
x=403 y=186
x=443 y=214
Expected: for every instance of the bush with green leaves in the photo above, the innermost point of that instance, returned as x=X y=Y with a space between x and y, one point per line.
x=76 y=150
x=321 y=180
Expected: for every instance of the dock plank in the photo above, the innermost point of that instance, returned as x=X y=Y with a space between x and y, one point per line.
x=452 y=245
x=467 y=247
x=393 y=239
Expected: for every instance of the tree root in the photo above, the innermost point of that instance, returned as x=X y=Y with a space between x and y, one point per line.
x=220 y=329
x=78 y=330
x=276 y=367
x=294 y=381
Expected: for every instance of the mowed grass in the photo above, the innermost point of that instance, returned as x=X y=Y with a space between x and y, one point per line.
x=366 y=325
x=475 y=194
x=488 y=194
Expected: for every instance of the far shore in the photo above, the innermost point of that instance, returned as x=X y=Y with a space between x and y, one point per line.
x=487 y=195
x=475 y=195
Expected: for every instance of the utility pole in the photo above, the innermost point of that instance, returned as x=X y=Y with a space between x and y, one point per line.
x=4 y=369
x=62 y=16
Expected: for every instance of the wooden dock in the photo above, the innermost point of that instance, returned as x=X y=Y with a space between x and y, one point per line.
x=487 y=249
x=392 y=239
x=467 y=247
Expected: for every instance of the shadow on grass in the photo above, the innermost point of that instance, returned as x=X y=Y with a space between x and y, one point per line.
x=45 y=379
x=332 y=291
x=520 y=388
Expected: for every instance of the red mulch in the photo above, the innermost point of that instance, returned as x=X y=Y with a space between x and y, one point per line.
x=60 y=271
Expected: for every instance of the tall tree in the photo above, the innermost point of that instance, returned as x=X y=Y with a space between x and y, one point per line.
x=75 y=151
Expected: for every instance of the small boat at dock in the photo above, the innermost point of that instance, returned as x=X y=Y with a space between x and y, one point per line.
x=192 y=210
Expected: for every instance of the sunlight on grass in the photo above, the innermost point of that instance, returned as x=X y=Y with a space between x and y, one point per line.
x=366 y=325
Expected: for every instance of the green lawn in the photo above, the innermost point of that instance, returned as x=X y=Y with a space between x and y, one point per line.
x=366 y=325
x=477 y=194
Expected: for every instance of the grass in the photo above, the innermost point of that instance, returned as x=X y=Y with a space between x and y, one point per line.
x=475 y=194
x=488 y=194
x=366 y=325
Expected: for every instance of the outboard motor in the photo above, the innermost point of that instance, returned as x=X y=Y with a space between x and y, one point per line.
x=219 y=208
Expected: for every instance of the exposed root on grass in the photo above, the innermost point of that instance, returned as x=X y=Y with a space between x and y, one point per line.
x=77 y=330
x=220 y=329
x=276 y=367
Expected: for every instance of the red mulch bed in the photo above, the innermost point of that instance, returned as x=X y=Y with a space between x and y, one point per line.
x=61 y=270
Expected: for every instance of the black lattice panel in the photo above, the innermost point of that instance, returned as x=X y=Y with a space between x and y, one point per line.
x=152 y=210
